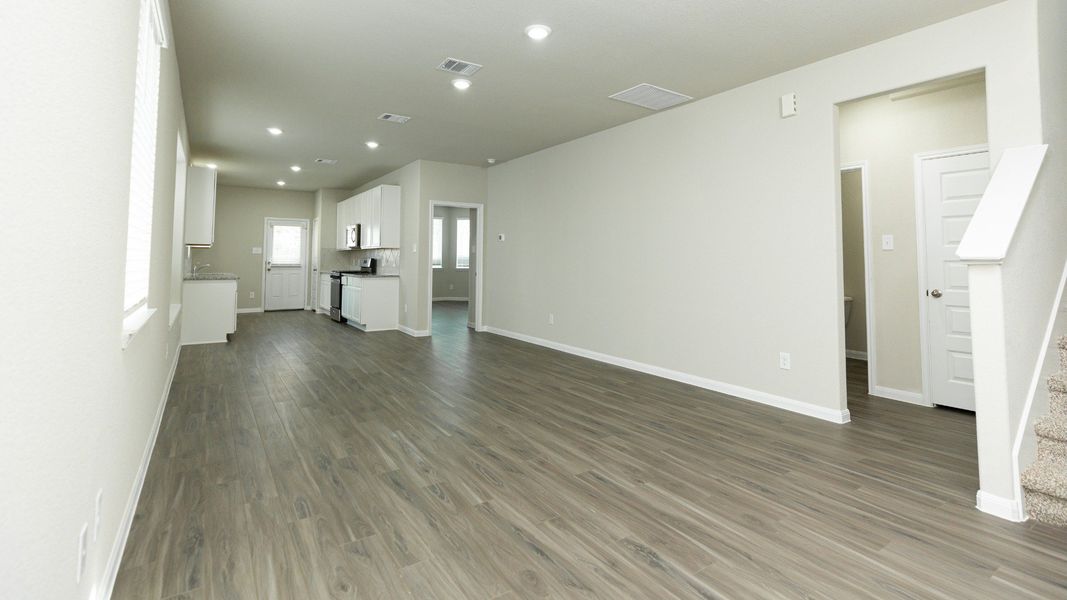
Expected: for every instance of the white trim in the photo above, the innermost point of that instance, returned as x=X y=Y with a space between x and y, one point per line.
x=414 y=332
x=1035 y=381
x=111 y=570
x=857 y=355
x=868 y=272
x=1012 y=510
x=451 y=299
x=266 y=251
x=244 y=311
x=899 y=395
x=920 y=252
x=479 y=266
x=134 y=322
x=797 y=406
x=470 y=325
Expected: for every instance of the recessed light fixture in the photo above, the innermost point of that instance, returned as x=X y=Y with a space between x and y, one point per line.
x=280 y=183
x=295 y=168
x=211 y=166
x=372 y=145
x=491 y=161
x=538 y=32
x=274 y=131
x=461 y=84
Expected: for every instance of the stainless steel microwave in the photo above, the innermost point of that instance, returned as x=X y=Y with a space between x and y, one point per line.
x=352 y=236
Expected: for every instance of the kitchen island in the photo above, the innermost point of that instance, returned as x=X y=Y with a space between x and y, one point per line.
x=209 y=307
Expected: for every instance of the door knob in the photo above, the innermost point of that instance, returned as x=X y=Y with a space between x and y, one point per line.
x=936 y=293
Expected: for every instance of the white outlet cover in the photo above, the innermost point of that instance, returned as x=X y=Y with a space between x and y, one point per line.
x=251 y=294
x=257 y=250
x=500 y=237
x=887 y=241
x=784 y=360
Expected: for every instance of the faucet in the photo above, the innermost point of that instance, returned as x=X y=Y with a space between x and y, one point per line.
x=197 y=267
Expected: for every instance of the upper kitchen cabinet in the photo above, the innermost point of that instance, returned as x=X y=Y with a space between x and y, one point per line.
x=348 y=213
x=200 y=206
x=380 y=212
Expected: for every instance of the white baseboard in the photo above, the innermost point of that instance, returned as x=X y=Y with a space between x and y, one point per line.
x=998 y=506
x=797 y=406
x=111 y=571
x=899 y=395
x=244 y=311
x=414 y=332
x=856 y=354
x=470 y=325
x=451 y=299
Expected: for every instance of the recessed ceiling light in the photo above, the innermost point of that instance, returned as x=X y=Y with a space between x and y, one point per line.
x=211 y=166
x=491 y=161
x=274 y=131
x=295 y=168
x=372 y=145
x=538 y=32
x=280 y=183
x=461 y=84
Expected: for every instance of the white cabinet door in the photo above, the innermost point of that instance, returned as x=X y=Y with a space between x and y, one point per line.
x=324 y=292
x=366 y=212
x=200 y=206
x=389 y=223
x=341 y=225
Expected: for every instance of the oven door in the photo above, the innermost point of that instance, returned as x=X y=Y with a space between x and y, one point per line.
x=335 y=298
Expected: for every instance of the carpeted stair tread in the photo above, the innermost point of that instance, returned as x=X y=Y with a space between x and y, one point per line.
x=1053 y=427
x=1057 y=383
x=1046 y=509
x=1051 y=450
x=1048 y=477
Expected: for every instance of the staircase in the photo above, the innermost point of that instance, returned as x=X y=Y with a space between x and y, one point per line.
x=1045 y=482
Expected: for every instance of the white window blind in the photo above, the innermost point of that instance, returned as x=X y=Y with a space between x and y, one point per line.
x=143 y=159
x=463 y=243
x=286 y=248
x=438 y=243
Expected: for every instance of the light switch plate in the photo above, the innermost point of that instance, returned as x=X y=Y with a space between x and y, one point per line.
x=784 y=361
x=257 y=250
x=887 y=241
x=789 y=105
x=500 y=237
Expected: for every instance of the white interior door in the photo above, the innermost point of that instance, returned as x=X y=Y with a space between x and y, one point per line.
x=285 y=281
x=952 y=187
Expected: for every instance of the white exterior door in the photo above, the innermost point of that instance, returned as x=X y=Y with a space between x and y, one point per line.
x=316 y=243
x=285 y=283
x=952 y=187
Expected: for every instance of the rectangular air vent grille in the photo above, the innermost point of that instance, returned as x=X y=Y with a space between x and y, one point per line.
x=326 y=161
x=651 y=97
x=460 y=67
x=394 y=118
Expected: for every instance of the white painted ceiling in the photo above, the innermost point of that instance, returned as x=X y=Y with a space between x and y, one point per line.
x=323 y=70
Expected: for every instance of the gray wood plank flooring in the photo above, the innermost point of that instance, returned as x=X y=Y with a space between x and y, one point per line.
x=308 y=460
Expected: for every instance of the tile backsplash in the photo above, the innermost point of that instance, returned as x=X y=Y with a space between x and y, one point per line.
x=336 y=260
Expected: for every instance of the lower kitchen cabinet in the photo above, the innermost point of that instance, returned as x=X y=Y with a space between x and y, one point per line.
x=371 y=303
x=324 y=293
x=209 y=310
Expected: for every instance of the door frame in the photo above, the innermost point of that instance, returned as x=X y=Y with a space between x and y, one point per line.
x=920 y=247
x=863 y=167
x=263 y=260
x=479 y=262
x=312 y=297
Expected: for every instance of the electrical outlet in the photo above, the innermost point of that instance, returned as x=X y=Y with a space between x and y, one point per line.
x=405 y=309
x=887 y=241
x=500 y=237
x=83 y=550
x=99 y=514
x=451 y=287
x=251 y=295
x=551 y=319
x=784 y=361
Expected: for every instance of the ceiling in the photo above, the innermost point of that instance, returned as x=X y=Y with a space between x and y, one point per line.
x=323 y=70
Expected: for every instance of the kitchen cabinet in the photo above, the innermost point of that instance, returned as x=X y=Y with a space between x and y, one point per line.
x=370 y=303
x=380 y=208
x=348 y=213
x=209 y=310
x=200 y=206
x=324 y=293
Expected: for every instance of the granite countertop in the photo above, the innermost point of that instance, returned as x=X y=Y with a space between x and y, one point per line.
x=369 y=274
x=211 y=277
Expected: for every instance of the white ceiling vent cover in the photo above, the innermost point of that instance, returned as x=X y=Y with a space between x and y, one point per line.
x=401 y=119
x=651 y=97
x=460 y=67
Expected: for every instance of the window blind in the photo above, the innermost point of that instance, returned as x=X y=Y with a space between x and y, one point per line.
x=143 y=158
x=463 y=243
x=438 y=242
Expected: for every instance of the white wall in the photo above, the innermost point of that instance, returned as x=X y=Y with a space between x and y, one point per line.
x=704 y=239
x=77 y=409
x=888 y=131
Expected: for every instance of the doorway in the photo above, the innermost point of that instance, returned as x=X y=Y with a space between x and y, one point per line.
x=887 y=142
x=285 y=264
x=455 y=271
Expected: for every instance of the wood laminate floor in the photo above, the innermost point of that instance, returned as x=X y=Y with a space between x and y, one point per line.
x=307 y=460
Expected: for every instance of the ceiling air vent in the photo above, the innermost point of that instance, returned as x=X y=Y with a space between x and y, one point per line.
x=401 y=119
x=651 y=97
x=325 y=161
x=460 y=67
